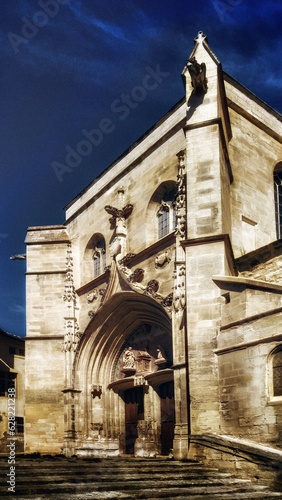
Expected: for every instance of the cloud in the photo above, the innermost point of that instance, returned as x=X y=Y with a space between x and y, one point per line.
x=111 y=29
x=17 y=309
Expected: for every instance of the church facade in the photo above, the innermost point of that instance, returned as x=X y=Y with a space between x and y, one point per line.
x=154 y=312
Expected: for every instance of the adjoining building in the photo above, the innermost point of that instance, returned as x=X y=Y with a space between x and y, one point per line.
x=154 y=312
x=12 y=364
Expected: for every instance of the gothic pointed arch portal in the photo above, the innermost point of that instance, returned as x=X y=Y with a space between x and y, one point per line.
x=122 y=398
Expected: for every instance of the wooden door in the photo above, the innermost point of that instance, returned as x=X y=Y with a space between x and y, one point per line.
x=134 y=411
x=166 y=392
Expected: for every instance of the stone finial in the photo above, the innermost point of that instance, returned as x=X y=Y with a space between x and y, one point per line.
x=200 y=37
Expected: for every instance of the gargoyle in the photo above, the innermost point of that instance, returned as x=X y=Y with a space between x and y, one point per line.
x=198 y=75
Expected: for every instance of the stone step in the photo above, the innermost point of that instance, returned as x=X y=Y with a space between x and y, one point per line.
x=58 y=478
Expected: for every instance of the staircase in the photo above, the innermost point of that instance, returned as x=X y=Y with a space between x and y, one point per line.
x=59 y=478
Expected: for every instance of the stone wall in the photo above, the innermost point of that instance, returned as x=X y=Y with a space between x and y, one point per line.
x=45 y=363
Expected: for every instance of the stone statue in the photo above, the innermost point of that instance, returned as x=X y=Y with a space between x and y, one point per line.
x=198 y=75
x=128 y=358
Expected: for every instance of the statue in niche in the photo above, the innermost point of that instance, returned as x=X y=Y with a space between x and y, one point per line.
x=198 y=76
x=161 y=361
x=160 y=354
x=129 y=358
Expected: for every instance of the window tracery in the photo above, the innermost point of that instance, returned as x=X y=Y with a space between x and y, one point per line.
x=166 y=214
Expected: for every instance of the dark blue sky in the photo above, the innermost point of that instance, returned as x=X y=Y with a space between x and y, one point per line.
x=65 y=71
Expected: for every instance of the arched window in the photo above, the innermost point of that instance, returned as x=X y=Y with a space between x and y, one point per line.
x=99 y=257
x=166 y=214
x=163 y=220
x=277 y=373
x=278 y=199
x=161 y=212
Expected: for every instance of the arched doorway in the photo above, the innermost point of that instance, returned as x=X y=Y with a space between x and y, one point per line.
x=119 y=409
x=144 y=360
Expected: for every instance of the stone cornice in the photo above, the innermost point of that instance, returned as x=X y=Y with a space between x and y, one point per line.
x=205 y=240
x=239 y=283
x=87 y=287
x=251 y=343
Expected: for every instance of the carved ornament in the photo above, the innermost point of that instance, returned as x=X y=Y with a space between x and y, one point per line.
x=181 y=197
x=137 y=276
x=72 y=335
x=92 y=296
x=162 y=259
x=116 y=213
x=128 y=358
x=96 y=391
x=125 y=261
x=198 y=76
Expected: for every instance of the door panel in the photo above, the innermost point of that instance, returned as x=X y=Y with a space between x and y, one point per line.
x=134 y=411
x=167 y=417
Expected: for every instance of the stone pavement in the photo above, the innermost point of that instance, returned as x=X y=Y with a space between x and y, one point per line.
x=59 y=478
